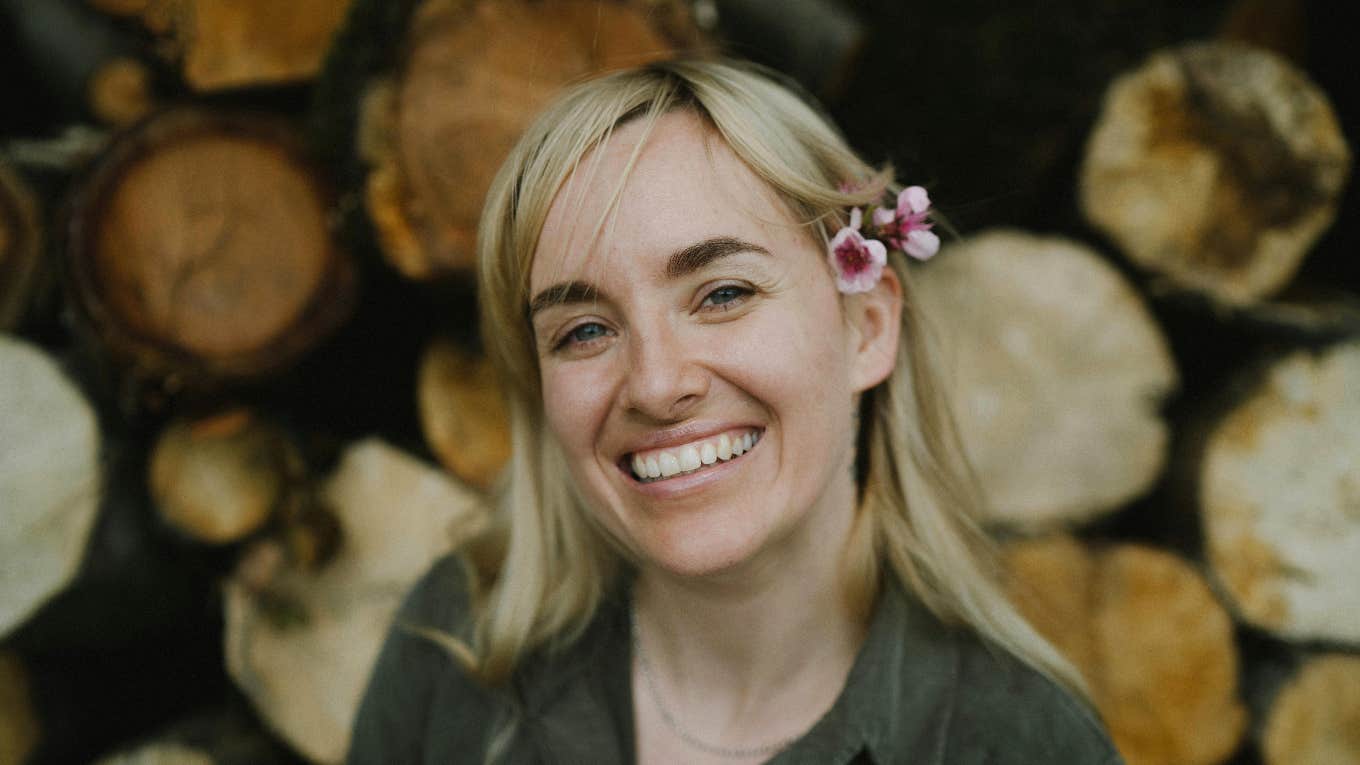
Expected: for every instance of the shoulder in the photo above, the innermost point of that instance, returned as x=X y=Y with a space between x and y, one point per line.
x=417 y=676
x=1005 y=711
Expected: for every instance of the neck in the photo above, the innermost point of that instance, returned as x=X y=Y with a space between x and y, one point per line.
x=766 y=644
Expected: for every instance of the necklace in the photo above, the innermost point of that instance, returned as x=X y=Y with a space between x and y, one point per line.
x=674 y=724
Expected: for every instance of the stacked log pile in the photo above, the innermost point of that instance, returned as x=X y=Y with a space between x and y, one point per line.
x=242 y=403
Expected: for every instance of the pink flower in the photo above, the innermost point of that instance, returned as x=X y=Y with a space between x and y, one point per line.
x=858 y=261
x=907 y=228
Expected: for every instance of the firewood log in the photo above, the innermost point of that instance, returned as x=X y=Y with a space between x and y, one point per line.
x=20 y=248
x=49 y=479
x=218 y=736
x=302 y=648
x=1315 y=719
x=462 y=413
x=224 y=44
x=217 y=479
x=1056 y=371
x=475 y=72
x=19 y=730
x=200 y=250
x=1278 y=490
x=1216 y=166
x=1145 y=630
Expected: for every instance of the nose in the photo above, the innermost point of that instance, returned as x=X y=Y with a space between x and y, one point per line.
x=665 y=379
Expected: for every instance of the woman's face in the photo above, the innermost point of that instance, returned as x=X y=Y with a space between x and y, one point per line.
x=701 y=317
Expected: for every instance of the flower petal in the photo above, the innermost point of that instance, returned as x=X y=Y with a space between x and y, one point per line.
x=884 y=217
x=856 y=218
x=913 y=199
x=921 y=244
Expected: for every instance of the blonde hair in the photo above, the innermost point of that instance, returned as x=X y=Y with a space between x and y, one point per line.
x=543 y=570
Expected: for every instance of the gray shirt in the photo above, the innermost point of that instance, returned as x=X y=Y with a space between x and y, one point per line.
x=919 y=692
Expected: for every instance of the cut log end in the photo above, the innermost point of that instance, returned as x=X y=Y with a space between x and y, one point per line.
x=467 y=92
x=202 y=246
x=463 y=413
x=216 y=480
x=1280 y=497
x=20 y=247
x=1316 y=718
x=1055 y=368
x=1217 y=165
x=120 y=92
x=1146 y=631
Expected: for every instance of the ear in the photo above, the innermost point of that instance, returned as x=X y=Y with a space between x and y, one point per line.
x=875 y=319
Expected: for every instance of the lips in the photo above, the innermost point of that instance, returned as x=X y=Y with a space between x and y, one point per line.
x=655 y=465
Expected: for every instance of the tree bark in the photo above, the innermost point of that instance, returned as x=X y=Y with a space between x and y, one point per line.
x=1216 y=166
x=1056 y=371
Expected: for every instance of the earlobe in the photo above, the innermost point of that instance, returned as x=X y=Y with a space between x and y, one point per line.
x=877 y=320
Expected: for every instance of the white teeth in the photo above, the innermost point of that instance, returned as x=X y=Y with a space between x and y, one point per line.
x=707 y=454
x=669 y=465
x=692 y=457
x=689 y=458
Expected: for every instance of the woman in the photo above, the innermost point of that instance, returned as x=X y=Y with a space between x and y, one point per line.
x=736 y=525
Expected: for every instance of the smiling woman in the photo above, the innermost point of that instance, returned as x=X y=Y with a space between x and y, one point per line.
x=736 y=525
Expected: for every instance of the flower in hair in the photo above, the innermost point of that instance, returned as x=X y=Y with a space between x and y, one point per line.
x=859 y=259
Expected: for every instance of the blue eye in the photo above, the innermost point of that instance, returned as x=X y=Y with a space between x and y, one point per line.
x=585 y=333
x=726 y=295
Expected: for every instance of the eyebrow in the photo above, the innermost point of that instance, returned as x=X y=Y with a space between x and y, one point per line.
x=680 y=263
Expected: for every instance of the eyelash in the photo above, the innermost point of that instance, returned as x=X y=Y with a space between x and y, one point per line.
x=743 y=294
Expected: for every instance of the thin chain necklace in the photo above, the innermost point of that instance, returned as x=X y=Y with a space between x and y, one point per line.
x=686 y=736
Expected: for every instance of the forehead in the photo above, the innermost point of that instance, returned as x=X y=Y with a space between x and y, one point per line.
x=686 y=185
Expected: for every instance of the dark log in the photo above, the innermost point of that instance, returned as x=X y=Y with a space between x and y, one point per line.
x=475 y=72
x=1275 y=481
x=49 y=479
x=19 y=730
x=200 y=250
x=301 y=644
x=1216 y=166
x=1146 y=631
x=1056 y=371
x=818 y=42
x=462 y=413
x=20 y=248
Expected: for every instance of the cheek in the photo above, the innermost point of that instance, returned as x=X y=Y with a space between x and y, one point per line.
x=575 y=400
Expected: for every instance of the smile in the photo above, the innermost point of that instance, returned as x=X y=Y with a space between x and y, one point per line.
x=693 y=457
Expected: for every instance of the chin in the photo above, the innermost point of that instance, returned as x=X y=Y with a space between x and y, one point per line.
x=694 y=549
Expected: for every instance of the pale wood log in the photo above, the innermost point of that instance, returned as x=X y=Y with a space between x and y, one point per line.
x=1315 y=719
x=160 y=753
x=1056 y=371
x=20 y=247
x=218 y=736
x=49 y=479
x=201 y=250
x=462 y=413
x=302 y=650
x=1216 y=166
x=19 y=729
x=217 y=479
x=475 y=73
x=1278 y=488
x=1145 y=630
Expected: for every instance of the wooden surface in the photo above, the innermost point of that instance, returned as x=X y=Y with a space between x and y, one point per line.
x=1056 y=370
x=1216 y=166
x=49 y=479
x=1146 y=631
